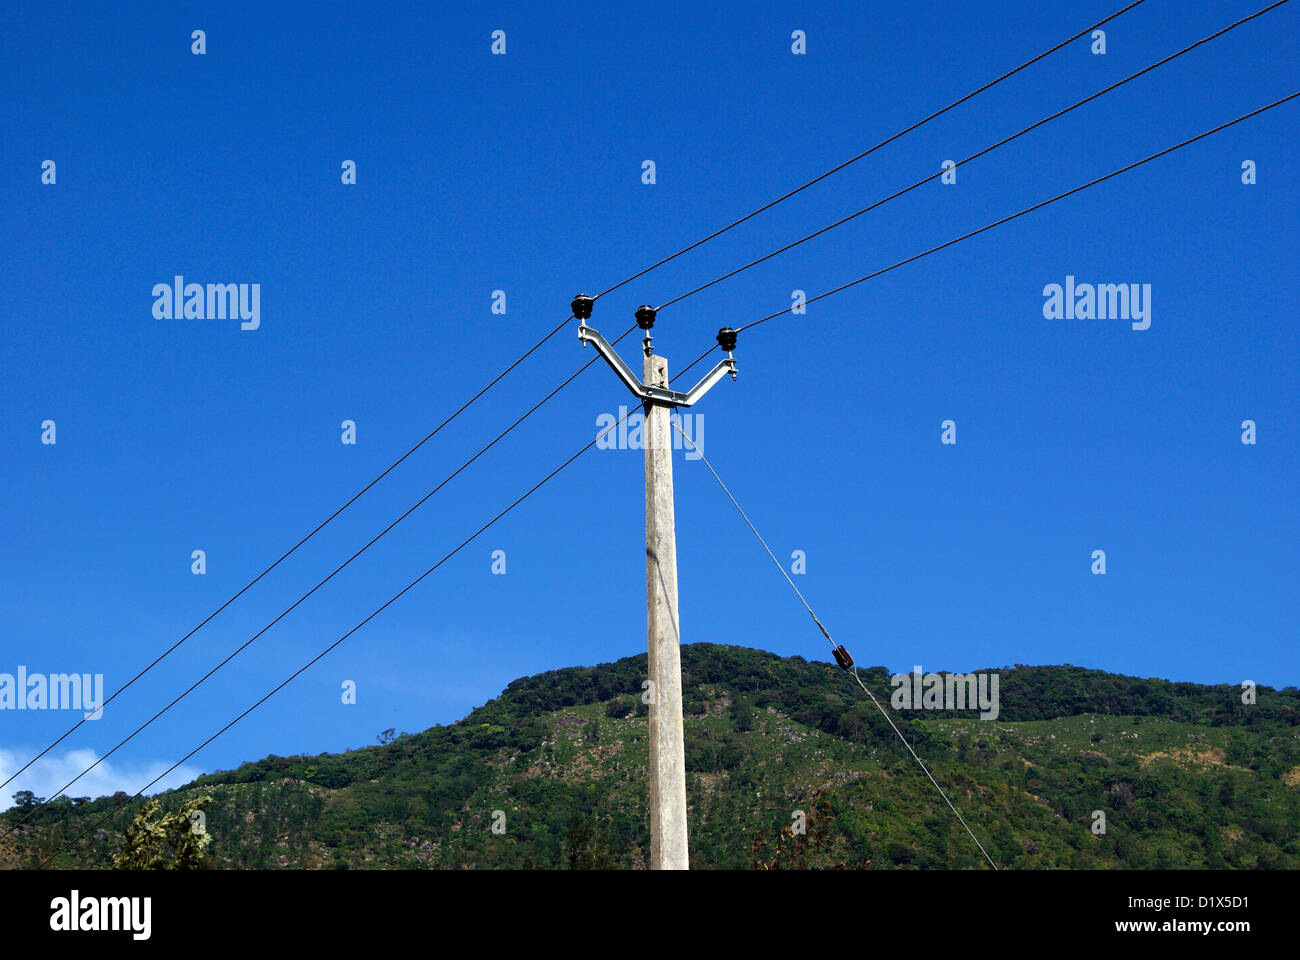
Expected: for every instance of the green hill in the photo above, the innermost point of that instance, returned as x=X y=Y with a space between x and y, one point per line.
x=1186 y=776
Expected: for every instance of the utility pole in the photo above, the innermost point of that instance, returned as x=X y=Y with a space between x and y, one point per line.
x=668 y=846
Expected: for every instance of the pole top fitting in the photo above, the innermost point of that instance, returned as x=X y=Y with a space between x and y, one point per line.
x=645 y=317
x=727 y=339
x=582 y=306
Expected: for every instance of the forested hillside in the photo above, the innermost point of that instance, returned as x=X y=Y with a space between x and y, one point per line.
x=551 y=774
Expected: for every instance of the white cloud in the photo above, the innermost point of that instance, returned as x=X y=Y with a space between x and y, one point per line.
x=53 y=770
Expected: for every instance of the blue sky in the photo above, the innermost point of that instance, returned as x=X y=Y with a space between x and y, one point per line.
x=522 y=173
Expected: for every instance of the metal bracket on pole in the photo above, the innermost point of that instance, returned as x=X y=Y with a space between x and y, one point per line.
x=669 y=398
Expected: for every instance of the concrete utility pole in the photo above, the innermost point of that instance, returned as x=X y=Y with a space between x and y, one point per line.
x=668 y=846
x=664 y=665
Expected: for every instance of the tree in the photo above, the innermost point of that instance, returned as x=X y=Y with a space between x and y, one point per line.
x=817 y=848
x=386 y=737
x=587 y=849
x=742 y=714
x=26 y=800
x=171 y=842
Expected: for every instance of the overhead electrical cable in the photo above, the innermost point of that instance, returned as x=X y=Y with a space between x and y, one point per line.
x=284 y=556
x=537 y=345
x=304 y=596
x=865 y=153
x=973 y=156
x=388 y=603
x=1008 y=219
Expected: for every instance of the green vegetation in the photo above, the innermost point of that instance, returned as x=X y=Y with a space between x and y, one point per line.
x=174 y=841
x=1184 y=774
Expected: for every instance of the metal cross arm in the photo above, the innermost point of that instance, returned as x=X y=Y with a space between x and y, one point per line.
x=649 y=394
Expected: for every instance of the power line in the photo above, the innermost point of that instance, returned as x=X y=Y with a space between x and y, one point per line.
x=841 y=655
x=1007 y=219
x=755 y=323
x=868 y=152
x=1041 y=204
x=464 y=543
x=966 y=236
x=302 y=598
x=528 y=353
x=292 y=549
x=973 y=156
